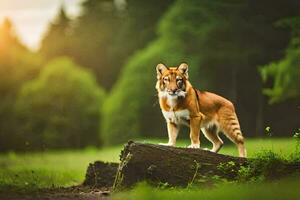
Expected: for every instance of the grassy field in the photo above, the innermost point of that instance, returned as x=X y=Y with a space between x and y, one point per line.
x=66 y=168
x=287 y=188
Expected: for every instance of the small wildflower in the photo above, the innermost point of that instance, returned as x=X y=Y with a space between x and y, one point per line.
x=268 y=131
x=297 y=134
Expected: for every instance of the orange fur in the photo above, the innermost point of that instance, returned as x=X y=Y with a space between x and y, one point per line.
x=181 y=104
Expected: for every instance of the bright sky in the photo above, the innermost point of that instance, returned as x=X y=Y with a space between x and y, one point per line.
x=31 y=17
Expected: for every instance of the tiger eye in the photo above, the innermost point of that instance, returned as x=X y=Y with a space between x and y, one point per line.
x=179 y=80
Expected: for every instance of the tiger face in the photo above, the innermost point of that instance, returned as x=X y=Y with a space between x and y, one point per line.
x=171 y=82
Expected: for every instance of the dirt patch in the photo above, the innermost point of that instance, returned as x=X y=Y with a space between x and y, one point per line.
x=99 y=180
x=71 y=193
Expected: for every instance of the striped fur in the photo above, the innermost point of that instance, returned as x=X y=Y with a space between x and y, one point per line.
x=207 y=111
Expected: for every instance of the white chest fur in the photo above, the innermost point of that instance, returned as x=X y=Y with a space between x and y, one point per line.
x=177 y=117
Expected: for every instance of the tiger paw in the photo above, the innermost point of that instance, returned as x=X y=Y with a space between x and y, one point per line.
x=194 y=146
x=167 y=144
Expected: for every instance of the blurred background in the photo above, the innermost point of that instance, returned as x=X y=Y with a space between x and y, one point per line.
x=79 y=73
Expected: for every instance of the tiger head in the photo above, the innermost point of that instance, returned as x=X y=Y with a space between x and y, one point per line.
x=172 y=81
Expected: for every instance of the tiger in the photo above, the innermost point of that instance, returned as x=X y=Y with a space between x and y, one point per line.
x=182 y=104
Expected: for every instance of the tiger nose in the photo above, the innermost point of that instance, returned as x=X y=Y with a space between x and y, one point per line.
x=172 y=91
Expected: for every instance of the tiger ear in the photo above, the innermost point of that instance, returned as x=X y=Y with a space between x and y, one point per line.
x=160 y=69
x=183 y=68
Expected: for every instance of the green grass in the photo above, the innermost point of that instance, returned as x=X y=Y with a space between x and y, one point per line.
x=287 y=188
x=50 y=169
x=66 y=168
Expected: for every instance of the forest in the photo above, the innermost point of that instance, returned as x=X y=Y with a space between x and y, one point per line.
x=91 y=82
x=80 y=117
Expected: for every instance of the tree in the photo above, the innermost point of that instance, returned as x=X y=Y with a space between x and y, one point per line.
x=93 y=34
x=285 y=73
x=137 y=30
x=60 y=108
x=56 y=41
x=8 y=37
x=17 y=65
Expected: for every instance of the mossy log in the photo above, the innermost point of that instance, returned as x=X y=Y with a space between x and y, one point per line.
x=175 y=166
x=157 y=164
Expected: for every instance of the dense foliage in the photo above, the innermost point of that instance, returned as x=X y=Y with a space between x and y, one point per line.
x=222 y=58
x=286 y=71
x=246 y=51
x=104 y=35
x=17 y=65
x=61 y=107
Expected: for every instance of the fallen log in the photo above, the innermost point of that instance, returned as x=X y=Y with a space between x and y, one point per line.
x=175 y=166
x=157 y=164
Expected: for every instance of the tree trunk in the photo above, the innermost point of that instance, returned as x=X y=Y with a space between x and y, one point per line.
x=159 y=164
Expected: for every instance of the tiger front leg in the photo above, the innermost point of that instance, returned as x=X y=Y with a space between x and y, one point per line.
x=195 y=132
x=173 y=130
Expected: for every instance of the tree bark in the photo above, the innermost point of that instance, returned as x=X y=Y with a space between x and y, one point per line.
x=159 y=164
